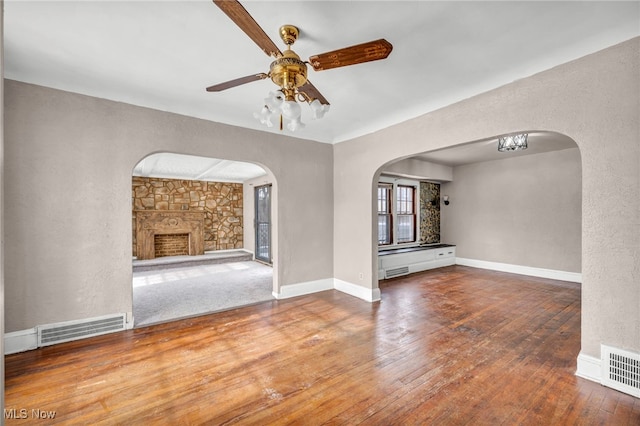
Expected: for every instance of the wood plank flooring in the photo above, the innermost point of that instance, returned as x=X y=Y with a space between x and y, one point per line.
x=452 y=346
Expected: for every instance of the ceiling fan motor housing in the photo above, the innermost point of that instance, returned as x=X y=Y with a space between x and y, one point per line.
x=288 y=71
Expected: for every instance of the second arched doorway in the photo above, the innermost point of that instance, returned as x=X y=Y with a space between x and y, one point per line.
x=194 y=236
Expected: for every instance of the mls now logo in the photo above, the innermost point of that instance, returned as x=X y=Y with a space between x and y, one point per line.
x=23 y=413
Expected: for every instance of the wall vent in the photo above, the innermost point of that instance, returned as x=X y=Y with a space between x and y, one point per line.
x=621 y=370
x=51 y=334
x=396 y=272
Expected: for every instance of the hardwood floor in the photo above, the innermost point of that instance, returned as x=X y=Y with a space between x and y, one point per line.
x=452 y=346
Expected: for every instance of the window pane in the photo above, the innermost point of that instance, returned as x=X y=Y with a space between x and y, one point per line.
x=405 y=196
x=405 y=228
x=384 y=229
x=382 y=200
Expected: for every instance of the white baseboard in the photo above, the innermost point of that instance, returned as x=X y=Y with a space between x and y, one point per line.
x=301 y=289
x=309 y=287
x=589 y=368
x=575 y=277
x=20 y=341
x=366 y=294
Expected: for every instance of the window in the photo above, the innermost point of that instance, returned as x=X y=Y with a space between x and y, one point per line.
x=384 y=213
x=396 y=213
x=406 y=213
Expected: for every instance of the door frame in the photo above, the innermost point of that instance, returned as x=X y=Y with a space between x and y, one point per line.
x=257 y=223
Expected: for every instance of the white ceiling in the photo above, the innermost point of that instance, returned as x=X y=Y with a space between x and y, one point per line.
x=178 y=166
x=162 y=54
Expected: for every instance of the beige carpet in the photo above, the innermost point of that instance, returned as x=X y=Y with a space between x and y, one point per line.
x=168 y=294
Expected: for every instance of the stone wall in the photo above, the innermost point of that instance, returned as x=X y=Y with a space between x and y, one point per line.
x=221 y=202
x=429 y=213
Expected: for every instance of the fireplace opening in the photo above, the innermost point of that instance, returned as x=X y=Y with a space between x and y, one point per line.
x=171 y=244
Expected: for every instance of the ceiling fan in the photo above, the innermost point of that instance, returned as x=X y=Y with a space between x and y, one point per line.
x=289 y=72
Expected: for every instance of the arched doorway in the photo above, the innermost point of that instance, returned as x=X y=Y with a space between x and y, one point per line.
x=517 y=211
x=193 y=236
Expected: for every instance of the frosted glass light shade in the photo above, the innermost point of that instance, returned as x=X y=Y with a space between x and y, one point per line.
x=319 y=110
x=296 y=124
x=291 y=110
x=273 y=101
x=264 y=116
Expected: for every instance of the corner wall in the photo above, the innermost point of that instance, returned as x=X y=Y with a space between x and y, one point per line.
x=595 y=101
x=523 y=211
x=71 y=259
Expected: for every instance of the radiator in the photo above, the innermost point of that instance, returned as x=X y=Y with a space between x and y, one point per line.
x=51 y=334
x=621 y=370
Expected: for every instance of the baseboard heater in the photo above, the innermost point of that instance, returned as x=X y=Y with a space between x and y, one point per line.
x=51 y=334
x=396 y=272
x=621 y=370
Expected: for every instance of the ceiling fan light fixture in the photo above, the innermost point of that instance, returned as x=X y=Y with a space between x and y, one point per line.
x=273 y=101
x=289 y=72
x=291 y=110
x=296 y=124
x=264 y=116
x=512 y=142
x=318 y=109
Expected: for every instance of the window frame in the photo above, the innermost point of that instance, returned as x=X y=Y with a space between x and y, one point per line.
x=387 y=212
x=394 y=184
x=406 y=212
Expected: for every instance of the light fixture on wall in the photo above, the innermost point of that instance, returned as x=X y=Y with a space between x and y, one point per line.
x=445 y=198
x=512 y=142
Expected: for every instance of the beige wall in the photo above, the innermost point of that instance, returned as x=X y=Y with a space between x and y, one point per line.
x=2 y=240
x=419 y=169
x=522 y=211
x=595 y=101
x=71 y=257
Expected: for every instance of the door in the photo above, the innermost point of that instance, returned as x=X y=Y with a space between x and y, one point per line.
x=263 y=223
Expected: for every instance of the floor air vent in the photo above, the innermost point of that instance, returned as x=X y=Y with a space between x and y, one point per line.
x=621 y=370
x=396 y=272
x=73 y=330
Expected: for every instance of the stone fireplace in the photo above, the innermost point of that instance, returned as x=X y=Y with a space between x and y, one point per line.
x=177 y=226
x=221 y=203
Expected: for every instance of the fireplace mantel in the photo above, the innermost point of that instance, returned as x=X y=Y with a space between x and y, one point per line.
x=150 y=223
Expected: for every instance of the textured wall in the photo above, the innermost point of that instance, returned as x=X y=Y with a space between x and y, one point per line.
x=72 y=259
x=221 y=202
x=523 y=211
x=595 y=101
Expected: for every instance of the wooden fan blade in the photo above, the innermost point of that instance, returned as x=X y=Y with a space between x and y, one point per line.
x=241 y=17
x=312 y=93
x=365 y=52
x=237 y=82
